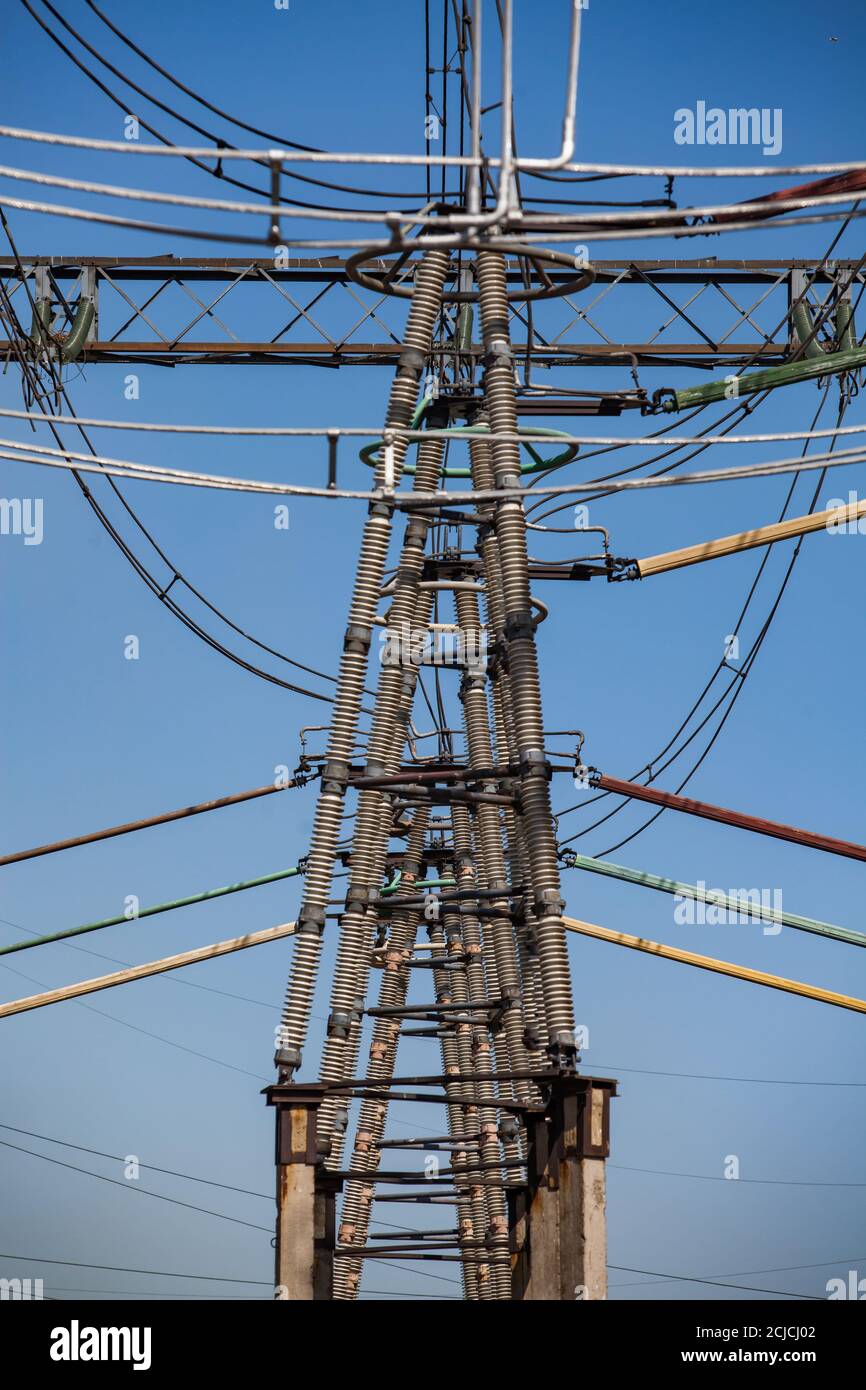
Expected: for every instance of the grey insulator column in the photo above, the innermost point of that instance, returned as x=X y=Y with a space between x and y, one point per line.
x=522 y=661
x=393 y=988
x=425 y=307
x=473 y=694
x=409 y=610
x=481 y=985
x=473 y=1211
x=506 y=751
x=460 y=1107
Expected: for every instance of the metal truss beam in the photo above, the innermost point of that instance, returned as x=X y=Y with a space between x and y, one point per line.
x=179 y=311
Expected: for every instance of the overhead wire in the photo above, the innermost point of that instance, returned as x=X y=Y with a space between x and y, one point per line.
x=160 y=590
x=715 y=1177
x=740 y=1080
x=747 y=407
x=148 y=822
x=170 y=977
x=423 y=241
x=127 y=1269
x=174 y=1201
x=133 y=1187
x=522 y=165
x=441 y=712
x=738 y=1274
x=738 y=679
x=243 y=125
x=136 y=1028
x=417 y=218
x=150 y=1167
x=122 y=919
x=221 y=147
x=746 y=1288
x=141 y=472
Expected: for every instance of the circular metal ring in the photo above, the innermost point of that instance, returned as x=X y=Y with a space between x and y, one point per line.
x=380 y=284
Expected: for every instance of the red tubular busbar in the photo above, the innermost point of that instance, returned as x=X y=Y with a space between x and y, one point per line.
x=737 y=818
x=854 y=181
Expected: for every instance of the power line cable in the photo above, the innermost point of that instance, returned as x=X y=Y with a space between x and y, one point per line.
x=43 y=456
x=738 y=679
x=171 y=978
x=748 y=407
x=422 y=240
x=738 y=684
x=148 y=822
x=713 y=1177
x=144 y=1293
x=127 y=1269
x=221 y=147
x=160 y=590
x=741 y=1080
x=278 y=140
x=663 y=171
x=374 y=431
x=747 y=1288
x=136 y=1028
x=151 y=1167
x=122 y=919
x=142 y=1191
x=739 y=1274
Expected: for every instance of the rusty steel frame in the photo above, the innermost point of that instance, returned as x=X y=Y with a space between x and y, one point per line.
x=114 y=276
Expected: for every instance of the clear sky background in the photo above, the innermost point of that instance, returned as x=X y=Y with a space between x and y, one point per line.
x=170 y=1069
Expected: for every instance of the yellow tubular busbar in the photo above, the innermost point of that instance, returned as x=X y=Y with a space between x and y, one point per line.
x=832 y=518
x=720 y=967
x=141 y=972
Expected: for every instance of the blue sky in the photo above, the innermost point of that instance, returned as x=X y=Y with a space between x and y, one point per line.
x=170 y=1071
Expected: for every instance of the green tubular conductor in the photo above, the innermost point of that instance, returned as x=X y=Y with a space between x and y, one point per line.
x=71 y=346
x=464 y=328
x=41 y=325
x=714 y=898
x=539 y=465
x=368 y=453
x=422 y=883
x=801 y=318
x=844 y=319
x=393 y=885
x=151 y=911
x=735 y=387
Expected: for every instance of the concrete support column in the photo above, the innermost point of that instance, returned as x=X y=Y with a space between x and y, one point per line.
x=557 y=1222
x=306 y=1197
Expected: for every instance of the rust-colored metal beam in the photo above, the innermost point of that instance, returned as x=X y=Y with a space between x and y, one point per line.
x=217 y=351
x=739 y=819
x=854 y=181
x=114 y=341
x=163 y=819
x=316 y=269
